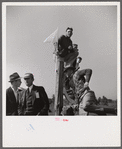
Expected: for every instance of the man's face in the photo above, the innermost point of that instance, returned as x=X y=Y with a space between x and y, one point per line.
x=17 y=83
x=28 y=81
x=69 y=33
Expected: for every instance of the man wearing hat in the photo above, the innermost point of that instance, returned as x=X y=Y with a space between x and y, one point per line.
x=13 y=94
x=35 y=100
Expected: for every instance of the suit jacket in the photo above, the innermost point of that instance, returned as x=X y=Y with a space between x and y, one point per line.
x=34 y=103
x=11 y=103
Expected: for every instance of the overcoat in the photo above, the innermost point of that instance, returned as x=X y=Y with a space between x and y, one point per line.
x=11 y=102
x=34 y=103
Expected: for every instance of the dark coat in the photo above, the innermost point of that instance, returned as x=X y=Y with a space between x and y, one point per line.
x=34 y=103
x=63 y=44
x=11 y=104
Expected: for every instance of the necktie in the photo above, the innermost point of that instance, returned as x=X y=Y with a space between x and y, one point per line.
x=28 y=91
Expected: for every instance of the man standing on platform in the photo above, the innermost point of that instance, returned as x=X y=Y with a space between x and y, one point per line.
x=35 y=100
x=66 y=49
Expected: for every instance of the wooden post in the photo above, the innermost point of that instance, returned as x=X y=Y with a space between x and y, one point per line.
x=61 y=70
x=59 y=86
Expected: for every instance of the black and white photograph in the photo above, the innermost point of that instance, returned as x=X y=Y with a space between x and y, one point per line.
x=61 y=74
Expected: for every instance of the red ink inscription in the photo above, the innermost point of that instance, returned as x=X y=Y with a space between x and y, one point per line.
x=57 y=119
x=65 y=120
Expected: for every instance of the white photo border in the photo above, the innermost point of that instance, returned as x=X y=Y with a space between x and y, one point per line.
x=16 y=130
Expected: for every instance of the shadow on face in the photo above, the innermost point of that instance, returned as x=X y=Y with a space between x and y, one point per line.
x=28 y=81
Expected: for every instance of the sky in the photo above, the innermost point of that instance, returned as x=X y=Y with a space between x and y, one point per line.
x=94 y=30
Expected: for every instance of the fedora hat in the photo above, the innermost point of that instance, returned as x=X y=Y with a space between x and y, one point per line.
x=14 y=76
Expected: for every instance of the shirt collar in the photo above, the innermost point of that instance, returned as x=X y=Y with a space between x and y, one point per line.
x=14 y=89
x=30 y=88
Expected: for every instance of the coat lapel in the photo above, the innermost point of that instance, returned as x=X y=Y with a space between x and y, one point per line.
x=33 y=93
